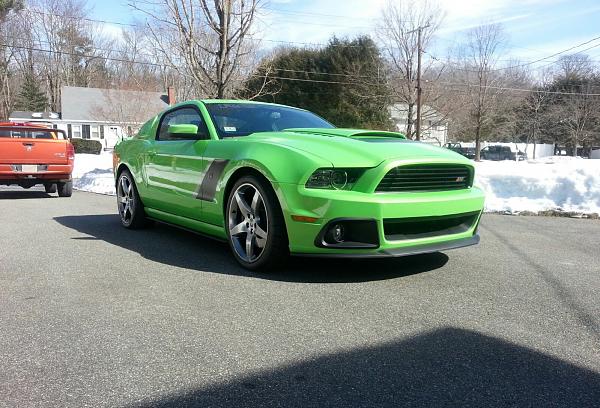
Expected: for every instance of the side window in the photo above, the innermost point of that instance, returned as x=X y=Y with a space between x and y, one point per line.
x=182 y=116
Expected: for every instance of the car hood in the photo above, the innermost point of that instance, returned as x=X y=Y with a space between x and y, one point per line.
x=356 y=148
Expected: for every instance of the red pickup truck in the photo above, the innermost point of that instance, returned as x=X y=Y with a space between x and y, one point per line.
x=32 y=154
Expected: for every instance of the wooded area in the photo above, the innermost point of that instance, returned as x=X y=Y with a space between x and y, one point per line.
x=212 y=49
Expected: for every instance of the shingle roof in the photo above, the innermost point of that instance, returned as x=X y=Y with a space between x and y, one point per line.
x=79 y=103
x=33 y=115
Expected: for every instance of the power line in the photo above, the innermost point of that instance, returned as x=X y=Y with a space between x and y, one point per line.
x=91 y=20
x=504 y=88
x=321 y=73
x=292 y=79
x=307 y=13
x=89 y=56
x=312 y=43
x=530 y=62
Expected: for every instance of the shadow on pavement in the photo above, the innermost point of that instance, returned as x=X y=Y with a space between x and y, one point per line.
x=442 y=368
x=172 y=246
x=23 y=194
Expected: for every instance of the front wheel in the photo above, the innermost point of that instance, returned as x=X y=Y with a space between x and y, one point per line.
x=255 y=226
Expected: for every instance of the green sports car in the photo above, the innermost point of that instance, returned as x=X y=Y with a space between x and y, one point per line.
x=275 y=180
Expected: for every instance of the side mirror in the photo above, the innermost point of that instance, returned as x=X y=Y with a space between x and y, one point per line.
x=184 y=131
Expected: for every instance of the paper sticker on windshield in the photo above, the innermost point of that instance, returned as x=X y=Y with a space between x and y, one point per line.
x=229 y=128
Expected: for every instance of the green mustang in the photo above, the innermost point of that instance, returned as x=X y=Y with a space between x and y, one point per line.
x=274 y=180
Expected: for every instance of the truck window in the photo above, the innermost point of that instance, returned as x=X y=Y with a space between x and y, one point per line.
x=26 y=134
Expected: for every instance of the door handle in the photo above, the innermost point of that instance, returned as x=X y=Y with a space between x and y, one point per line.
x=151 y=153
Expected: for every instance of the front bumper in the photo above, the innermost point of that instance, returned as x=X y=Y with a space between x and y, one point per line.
x=403 y=251
x=328 y=205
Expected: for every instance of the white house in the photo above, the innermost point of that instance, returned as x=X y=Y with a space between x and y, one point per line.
x=101 y=114
x=434 y=129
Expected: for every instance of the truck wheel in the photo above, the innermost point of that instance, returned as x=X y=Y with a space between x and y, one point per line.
x=65 y=189
x=50 y=188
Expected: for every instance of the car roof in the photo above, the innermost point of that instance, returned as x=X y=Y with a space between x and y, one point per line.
x=244 y=101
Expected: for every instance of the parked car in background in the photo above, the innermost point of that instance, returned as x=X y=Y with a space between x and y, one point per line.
x=498 y=152
x=468 y=152
x=33 y=154
x=274 y=180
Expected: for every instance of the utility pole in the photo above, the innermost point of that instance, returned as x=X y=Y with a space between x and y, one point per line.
x=419 y=31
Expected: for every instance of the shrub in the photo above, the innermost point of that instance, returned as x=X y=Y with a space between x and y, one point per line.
x=87 y=146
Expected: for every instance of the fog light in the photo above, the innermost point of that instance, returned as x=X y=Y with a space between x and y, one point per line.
x=337 y=233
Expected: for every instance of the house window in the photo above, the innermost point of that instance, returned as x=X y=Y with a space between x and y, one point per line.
x=95 y=132
x=85 y=131
x=77 y=131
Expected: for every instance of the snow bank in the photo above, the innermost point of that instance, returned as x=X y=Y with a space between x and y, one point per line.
x=93 y=172
x=552 y=183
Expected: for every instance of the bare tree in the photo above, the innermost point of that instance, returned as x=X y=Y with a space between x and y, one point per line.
x=573 y=108
x=532 y=115
x=9 y=37
x=208 y=41
x=76 y=47
x=397 y=33
x=483 y=81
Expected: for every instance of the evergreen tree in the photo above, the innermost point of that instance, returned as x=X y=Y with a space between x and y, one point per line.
x=6 y=6
x=31 y=97
x=343 y=82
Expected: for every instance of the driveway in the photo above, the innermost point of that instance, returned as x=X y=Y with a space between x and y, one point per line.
x=92 y=314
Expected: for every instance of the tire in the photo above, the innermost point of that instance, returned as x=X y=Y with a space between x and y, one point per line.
x=255 y=226
x=129 y=205
x=65 y=189
x=50 y=188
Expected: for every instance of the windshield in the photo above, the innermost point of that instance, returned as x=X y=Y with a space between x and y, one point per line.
x=242 y=119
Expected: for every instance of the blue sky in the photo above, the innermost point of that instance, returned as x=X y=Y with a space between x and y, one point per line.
x=535 y=28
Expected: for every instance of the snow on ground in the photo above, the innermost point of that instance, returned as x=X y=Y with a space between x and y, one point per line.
x=93 y=172
x=552 y=183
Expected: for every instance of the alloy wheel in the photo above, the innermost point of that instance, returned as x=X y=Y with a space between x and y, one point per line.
x=248 y=222
x=125 y=199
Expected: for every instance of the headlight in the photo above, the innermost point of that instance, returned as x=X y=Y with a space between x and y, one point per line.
x=337 y=179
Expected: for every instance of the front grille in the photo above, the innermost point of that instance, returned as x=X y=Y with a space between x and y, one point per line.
x=397 y=229
x=426 y=177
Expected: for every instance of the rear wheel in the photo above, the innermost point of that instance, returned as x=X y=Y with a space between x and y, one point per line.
x=255 y=226
x=65 y=189
x=50 y=188
x=131 y=209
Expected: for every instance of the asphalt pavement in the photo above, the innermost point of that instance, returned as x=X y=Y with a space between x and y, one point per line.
x=93 y=315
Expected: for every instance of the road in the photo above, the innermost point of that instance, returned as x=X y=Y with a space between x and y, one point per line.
x=95 y=315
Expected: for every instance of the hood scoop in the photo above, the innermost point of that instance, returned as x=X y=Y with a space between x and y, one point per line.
x=358 y=134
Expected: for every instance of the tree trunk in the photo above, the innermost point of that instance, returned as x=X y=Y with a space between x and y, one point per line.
x=224 y=16
x=409 y=121
x=478 y=136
